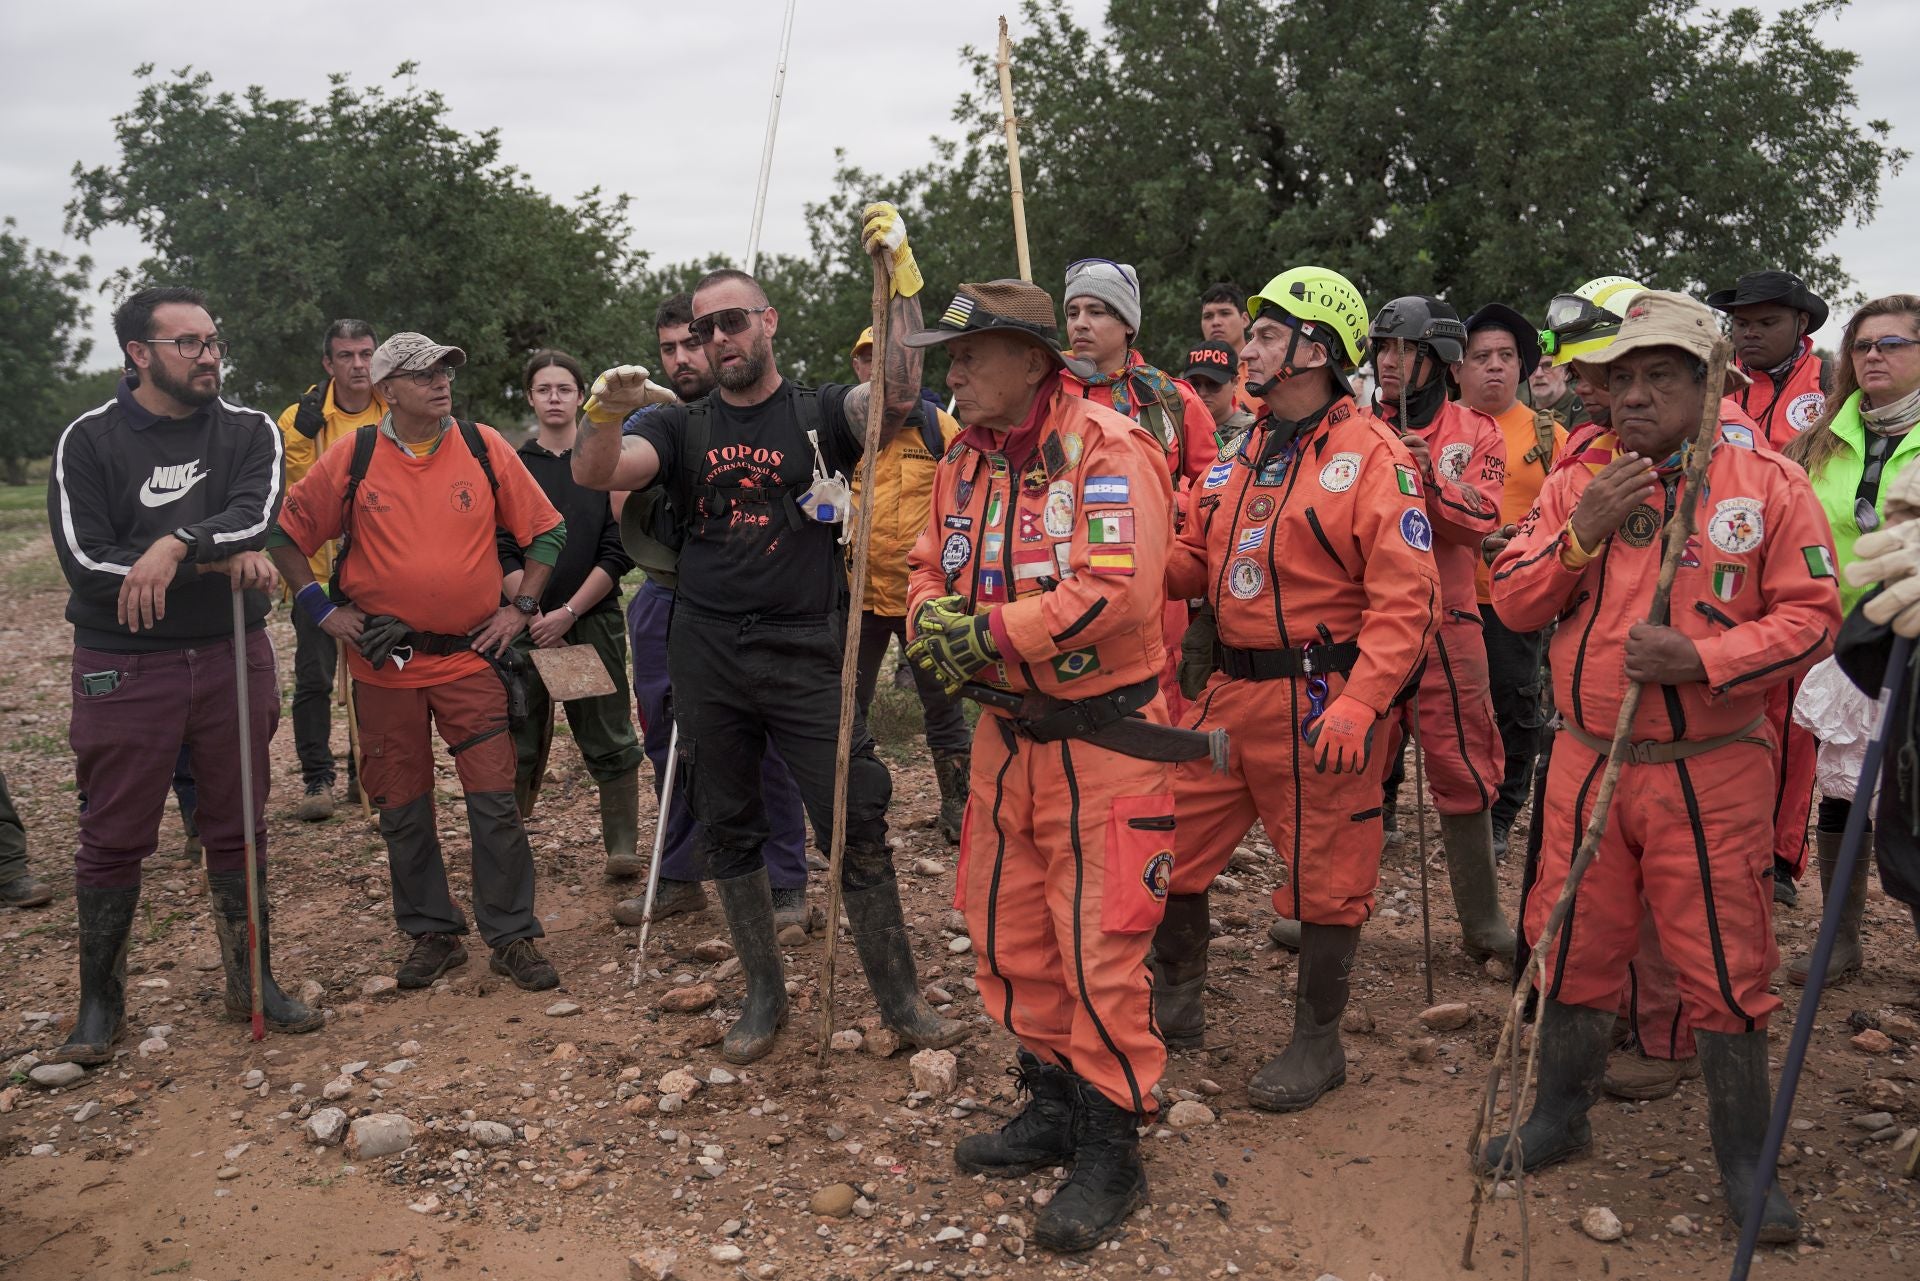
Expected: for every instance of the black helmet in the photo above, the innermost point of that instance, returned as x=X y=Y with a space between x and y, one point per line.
x=1421 y=318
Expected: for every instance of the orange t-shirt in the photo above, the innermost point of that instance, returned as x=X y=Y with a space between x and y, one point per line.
x=423 y=540
x=1526 y=473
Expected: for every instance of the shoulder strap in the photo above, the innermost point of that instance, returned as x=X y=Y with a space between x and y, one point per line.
x=477 y=446
x=930 y=423
x=310 y=414
x=364 y=439
x=693 y=447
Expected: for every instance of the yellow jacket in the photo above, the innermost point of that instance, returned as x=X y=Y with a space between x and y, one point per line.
x=303 y=451
x=903 y=485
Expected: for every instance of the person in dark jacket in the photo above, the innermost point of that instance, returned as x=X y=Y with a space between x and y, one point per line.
x=580 y=606
x=160 y=501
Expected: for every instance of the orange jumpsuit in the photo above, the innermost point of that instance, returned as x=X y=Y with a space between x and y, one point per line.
x=1465 y=761
x=1066 y=851
x=1756 y=595
x=1190 y=451
x=1784 y=409
x=1330 y=546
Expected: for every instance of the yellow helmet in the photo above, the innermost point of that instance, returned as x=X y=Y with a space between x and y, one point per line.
x=1588 y=319
x=1327 y=304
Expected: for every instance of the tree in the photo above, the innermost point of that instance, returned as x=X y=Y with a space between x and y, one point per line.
x=1477 y=149
x=40 y=347
x=370 y=205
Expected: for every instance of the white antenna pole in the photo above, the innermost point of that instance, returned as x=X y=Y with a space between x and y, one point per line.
x=773 y=127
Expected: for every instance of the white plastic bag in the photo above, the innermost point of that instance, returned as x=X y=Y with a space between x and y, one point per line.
x=1834 y=710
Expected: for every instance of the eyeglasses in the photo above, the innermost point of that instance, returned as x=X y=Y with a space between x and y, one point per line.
x=1889 y=347
x=732 y=320
x=190 y=348
x=428 y=377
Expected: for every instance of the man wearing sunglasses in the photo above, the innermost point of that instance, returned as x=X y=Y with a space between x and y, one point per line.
x=756 y=484
x=159 y=502
x=1773 y=317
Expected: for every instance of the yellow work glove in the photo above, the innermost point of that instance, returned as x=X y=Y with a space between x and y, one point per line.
x=618 y=392
x=884 y=230
x=952 y=654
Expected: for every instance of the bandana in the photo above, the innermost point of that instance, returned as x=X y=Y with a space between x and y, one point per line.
x=1137 y=384
x=1896 y=419
x=1605 y=447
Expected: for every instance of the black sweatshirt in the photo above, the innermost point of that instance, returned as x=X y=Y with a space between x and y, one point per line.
x=123 y=478
x=593 y=535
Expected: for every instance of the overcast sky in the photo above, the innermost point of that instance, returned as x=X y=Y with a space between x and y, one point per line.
x=639 y=97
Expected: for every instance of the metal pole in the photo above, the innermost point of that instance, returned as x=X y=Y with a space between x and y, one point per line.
x=1420 y=824
x=1892 y=688
x=659 y=845
x=773 y=127
x=247 y=812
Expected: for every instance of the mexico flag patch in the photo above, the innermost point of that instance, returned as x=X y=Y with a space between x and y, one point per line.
x=1407 y=479
x=1819 y=561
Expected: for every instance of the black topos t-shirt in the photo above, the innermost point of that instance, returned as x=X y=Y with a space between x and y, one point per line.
x=746 y=557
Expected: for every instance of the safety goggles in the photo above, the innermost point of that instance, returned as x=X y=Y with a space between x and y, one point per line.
x=730 y=320
x=1569 y=318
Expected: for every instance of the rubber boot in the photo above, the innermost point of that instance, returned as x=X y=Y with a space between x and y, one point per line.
x=954 y=772
x=1041 y=1135
x=190 y=849
x=106 y=922
x=1108 y=1181
x=620 y=826
x=748 y=904
x=886 y=954
x=1314 y=1061
x=1179 y=965
x=1468 y=839
x=1844 y=960
x=1739 y=1100
x=1573 y=1056
x=228 y=893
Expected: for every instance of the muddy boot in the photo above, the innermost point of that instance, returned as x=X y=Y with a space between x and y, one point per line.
x=1573 y=1056
x=1468 y=839
x=1643 y=1078
x=748 y=905
x=791 y=911
x=190 y=851
x=228 y=894
x=1285 y=933
x=1785 y=892
x=1314 y=1061
x=1738 y=1102
x=106 y=921
x=1041 y=1135
x=620 y=826
x=1179 y=964
x=670 y=898
x=25 y=890
x=886 y=954
x=1108 y=1182
x=1845 y=957
x=953 y=772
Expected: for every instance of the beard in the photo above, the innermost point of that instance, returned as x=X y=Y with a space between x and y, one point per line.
x=752 y=367
x=183 y=390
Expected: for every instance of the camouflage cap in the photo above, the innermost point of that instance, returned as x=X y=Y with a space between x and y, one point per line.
x=1657 y=318
x=406 y=352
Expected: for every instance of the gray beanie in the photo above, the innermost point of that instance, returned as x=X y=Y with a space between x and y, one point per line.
x=1113 y=283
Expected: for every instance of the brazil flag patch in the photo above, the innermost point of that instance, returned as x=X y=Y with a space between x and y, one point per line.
x=1076 y=663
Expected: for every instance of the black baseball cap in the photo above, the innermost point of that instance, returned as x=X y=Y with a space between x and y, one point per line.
x=1214 y=361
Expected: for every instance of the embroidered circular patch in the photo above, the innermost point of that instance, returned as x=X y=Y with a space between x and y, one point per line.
x=1803 y=409
x=955 y=552
x=1640 y=527
x=1260 y=508
x=1073 y=446
x=1737 y=525
x=1245 y=578
x=1157 y=875
x=1057 y=517
x=1453 y=459
x=1416 y=529
x=1341 y=471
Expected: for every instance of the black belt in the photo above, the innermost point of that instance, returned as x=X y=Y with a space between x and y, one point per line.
x=1278 y=664
x=438 y=642
x=1105 y=720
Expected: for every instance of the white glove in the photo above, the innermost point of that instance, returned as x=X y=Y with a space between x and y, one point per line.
x=1886 y=555
x=1897 y=607
x=620 y=391
x=1903 y=495
x=882 y=229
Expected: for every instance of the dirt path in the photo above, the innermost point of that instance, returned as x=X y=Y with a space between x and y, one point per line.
x=181 y=1168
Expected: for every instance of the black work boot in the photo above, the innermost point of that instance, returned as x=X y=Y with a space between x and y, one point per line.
x=1314 y=1061
x=190 y=849
x=106 y=921
x=25 y=890
x=670 y=898
x=748 y=904
x=1844 y=961
x=227 y=891
x=1468 y=840
x=1574 y=1041
x=433 y=954
x=1041 y=1135
x=1785 y=892
x=1738 y=1102
x=1179 y=964
x=955 y=772
x=880 y=940
x=524 y=963
x=1108 y=1182
x=620 y=826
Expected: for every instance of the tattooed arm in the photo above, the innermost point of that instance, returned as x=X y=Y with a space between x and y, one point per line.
x=902 y=365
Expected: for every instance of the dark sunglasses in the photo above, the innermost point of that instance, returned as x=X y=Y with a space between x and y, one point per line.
x=732 y=320
x=1889 y=347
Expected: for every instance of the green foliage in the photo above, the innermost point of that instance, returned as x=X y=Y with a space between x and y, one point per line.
x=40 y=346
x=368 y=204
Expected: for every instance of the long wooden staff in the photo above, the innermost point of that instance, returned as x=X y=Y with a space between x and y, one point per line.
x=1679 y=531
x=1010 y=124
x=850 y=656
x=353 y=729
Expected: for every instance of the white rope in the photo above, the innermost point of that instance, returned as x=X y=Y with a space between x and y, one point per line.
x=773 y=127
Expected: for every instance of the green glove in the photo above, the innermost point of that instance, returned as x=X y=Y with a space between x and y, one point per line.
x=953 y=653
x=939 y=614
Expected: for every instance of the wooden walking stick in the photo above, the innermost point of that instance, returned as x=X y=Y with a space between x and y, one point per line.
x=1679 y=532
x=247 y=812
x=1011 y=126
x=850 y=656
x=353 y=730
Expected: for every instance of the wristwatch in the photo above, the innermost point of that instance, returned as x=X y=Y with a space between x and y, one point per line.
x=186 y=536
x=526 y=605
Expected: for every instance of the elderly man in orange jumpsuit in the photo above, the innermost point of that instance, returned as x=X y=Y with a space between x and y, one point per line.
x=1462 y=458
x=1754 y=603
x=1311 y=541
x=1036 y=590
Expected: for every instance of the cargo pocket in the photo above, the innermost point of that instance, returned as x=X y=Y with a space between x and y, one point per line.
x=1139 y=863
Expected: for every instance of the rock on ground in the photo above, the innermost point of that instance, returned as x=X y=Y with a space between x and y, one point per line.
x=1447 y=1018
x=54 y=1075
x=652 y=1264
x=935 y=1072
x=490 y=1134
x=835 y=1201
x=327 y=1125
x=1601 y=1224
x=381 y=1134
